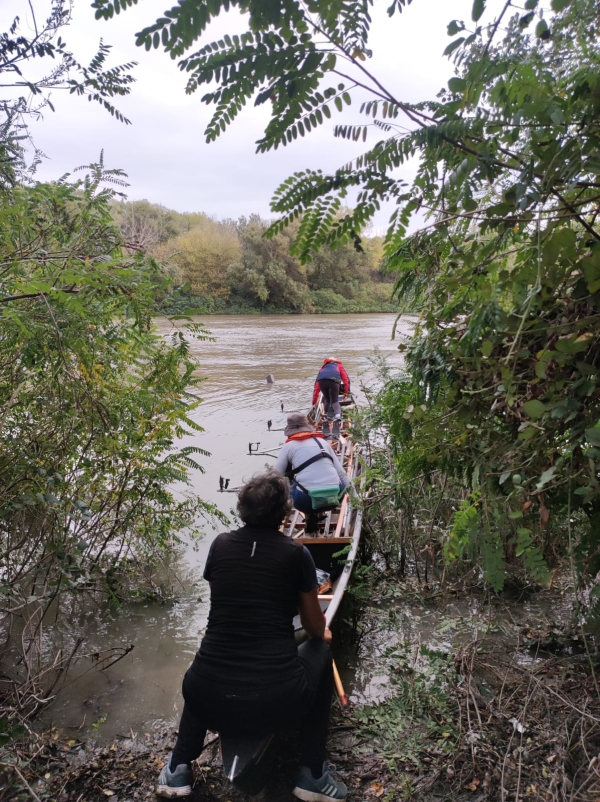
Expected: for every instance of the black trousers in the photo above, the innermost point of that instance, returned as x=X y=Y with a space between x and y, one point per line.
x=331 y=391
x=304 y=702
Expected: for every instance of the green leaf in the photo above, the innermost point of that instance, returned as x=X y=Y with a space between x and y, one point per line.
x=486 y=348
x=477 y=10
x=454 y=27
x=546 y=476
x=534 y=409
x=541 y=29
x=572 y=345
x=559 y=5
x=454 y=45
x=526 y=20
x=457 y=84
x=523 y=531
x=593 y=435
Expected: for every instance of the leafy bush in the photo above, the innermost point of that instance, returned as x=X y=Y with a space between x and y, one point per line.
x=93 y=403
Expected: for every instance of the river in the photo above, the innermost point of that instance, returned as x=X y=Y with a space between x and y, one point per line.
x=143 y=689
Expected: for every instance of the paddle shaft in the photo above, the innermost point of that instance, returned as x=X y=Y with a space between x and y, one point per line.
x=339 y=687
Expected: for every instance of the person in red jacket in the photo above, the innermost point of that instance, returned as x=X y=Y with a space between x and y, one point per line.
x=330 y=379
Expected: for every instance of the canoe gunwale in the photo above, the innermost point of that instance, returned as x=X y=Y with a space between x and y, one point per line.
x=349 y=526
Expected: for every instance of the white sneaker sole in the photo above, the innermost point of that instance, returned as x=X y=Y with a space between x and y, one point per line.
x=313 y=796
x=173 y=793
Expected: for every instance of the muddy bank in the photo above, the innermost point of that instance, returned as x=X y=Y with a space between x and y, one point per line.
x=126 y=770
x=494 y=699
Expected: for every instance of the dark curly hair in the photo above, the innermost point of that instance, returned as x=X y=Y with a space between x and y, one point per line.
x=265 y=499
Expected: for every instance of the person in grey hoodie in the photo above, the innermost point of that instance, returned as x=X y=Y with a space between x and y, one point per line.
x=310 y=463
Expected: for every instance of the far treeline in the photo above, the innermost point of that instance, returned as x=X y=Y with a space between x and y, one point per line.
x=228 y=266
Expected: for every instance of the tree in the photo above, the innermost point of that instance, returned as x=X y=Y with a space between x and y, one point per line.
x=344 y=269
x=93 y=403
x=145 y=225
x=26 y=93
x=203 y=256
x=504 y=362
x=267 y=274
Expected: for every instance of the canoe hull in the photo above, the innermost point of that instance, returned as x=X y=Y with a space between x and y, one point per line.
x=248 y=762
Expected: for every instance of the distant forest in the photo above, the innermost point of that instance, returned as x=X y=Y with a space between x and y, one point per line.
x=228 y=266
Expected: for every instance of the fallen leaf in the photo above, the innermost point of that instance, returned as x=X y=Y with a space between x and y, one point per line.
x=377 y=788
x=472 y=786
x=106 y=792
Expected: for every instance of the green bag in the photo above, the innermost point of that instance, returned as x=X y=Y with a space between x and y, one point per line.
x=325 y=496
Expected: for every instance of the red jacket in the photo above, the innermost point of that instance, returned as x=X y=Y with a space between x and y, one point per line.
x=345 y=383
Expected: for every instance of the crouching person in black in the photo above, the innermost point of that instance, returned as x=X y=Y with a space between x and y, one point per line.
x=248 y=675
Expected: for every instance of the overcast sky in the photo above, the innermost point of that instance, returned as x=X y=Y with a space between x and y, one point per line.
x=163 y=151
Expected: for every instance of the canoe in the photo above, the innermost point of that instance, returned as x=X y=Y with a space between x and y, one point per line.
x=340 y=529
x=247 y=762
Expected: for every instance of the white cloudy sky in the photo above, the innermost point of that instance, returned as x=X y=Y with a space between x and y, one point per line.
x=164 y=152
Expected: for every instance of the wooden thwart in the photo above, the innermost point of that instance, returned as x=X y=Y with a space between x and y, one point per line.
x=341 y=518
x=318 y=540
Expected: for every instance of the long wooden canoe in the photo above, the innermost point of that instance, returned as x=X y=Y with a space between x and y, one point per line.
x=339 y=531
x=247 y=762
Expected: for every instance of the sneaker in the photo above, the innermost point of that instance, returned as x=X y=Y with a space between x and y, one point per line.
x=325 y=789
x=175 y=784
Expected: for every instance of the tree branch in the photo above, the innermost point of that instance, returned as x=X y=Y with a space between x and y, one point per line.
x=9 y=298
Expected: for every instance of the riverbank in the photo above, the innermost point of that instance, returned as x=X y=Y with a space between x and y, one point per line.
x=496 y=699
x=374 y=298
x=245 y=311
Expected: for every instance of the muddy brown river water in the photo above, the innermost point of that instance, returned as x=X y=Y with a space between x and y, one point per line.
x=144 y=687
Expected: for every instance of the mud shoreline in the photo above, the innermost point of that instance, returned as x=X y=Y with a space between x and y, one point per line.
x=515 y=717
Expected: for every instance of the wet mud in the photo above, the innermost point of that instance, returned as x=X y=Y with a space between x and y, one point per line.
x=456 y=696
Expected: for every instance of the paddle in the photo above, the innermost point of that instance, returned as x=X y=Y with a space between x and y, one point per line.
x=339 y=687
